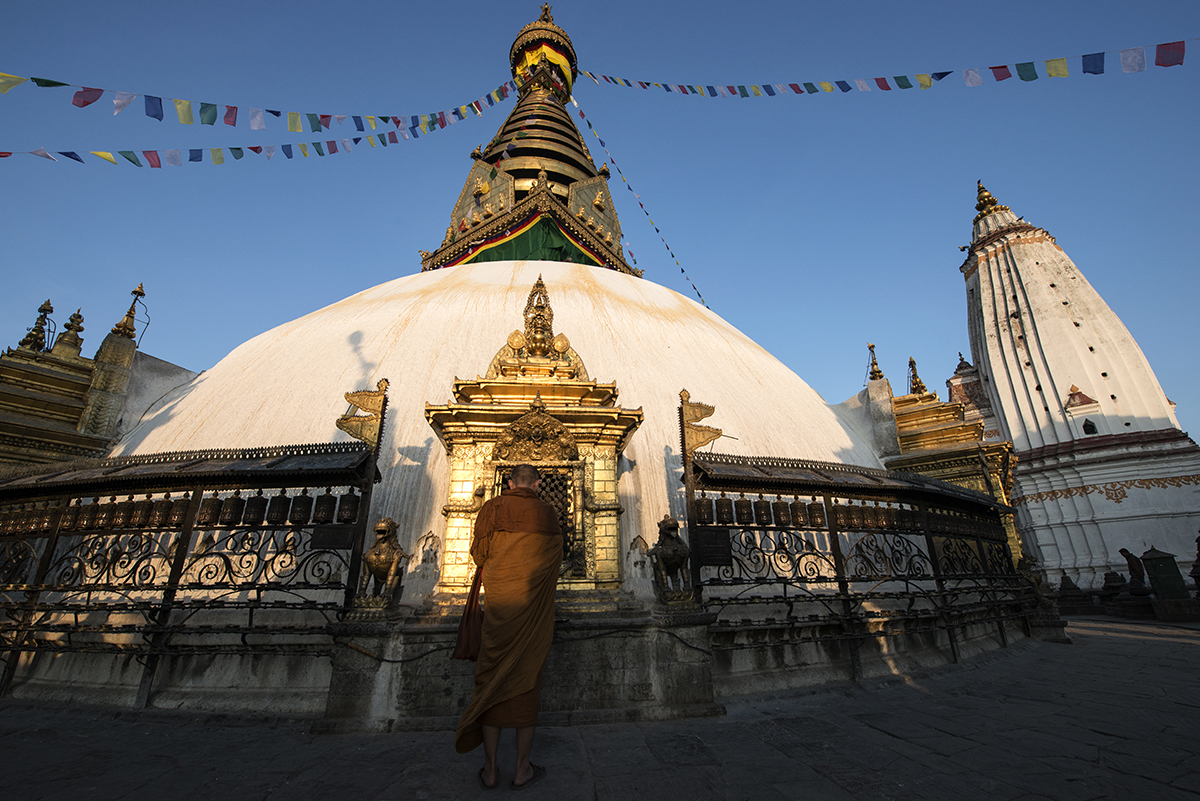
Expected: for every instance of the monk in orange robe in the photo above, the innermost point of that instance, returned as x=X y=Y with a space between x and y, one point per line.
x=518 y=546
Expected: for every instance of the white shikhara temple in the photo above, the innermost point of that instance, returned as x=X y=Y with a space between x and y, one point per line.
x=1102 y=463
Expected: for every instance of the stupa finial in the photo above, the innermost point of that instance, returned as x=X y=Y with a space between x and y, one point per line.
x=36 y=338
x=126 y=327
x=875 y=373
x=915 y=385
x=985 y=202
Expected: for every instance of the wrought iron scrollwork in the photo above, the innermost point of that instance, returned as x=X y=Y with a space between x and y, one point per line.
x=880 y=556
x=761 y=554
x=957 y=557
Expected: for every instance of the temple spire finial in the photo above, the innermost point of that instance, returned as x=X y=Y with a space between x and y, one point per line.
x=875 y=373
x=36 y=338
x=915 y=385
x=126 y=327
x=985 y=202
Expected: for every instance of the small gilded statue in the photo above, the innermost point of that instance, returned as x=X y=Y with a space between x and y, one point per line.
x=383 y=562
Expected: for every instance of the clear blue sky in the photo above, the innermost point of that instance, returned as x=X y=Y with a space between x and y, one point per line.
x=814 y=224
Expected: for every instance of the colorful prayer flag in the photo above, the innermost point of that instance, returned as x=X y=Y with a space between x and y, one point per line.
x=883 y=84
x=208 y=113
x=826 y=86
x=937 y=76
x=152 y=159
x=811 y=88
x=332 y=145
x=862 y=85
x=1057 y=68
x=1133 y=60
x=795 y=87
x=345 y=145
x=1169 y=55
x=382 y=139
x=130 y=156
x=391 y=137
x=183 y=109
x=902 y=81
x=172 y=158
x=287 y=150
x=1001 y=73
x=272 y=112
x=314 y=123
x=341 y=118
x=317 y=147
x=1093 y=64
x=358 y=124
x=104 y=154
x=196 y=155
x=218 y=155
x=757 y=92
x=325 y=120
x=268 y=151
x=231 y=115
x=121 y=100
x=971 y=78
x=237 y=152
x=71 y=154
x=1026 y=71
x=86 y=97
x=46 y=83
x=254 y=149
x=371 y=122
x=924 y=81
x=371 y=141
x=304 y=149
x=257 y=121
x=9 y=81
x=845 y=87
x=294 y=121
x=741 y=90
x=154 y=107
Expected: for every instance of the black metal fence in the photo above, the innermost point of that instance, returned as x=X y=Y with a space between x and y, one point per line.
x=231 y=552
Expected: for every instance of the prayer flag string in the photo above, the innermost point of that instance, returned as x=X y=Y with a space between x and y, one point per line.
x=628 y=186
x=1132 y=59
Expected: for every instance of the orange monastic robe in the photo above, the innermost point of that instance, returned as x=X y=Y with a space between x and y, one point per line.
x=518 y=546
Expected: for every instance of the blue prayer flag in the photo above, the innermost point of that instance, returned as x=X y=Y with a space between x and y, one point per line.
x=358 y=124
x=71 y=154
x=357 y=139
x=287 y=150
x=195 y=155
x=1094 y=63
x=154 y=107
x=845 y=87
x=937 y=76
x=712 y=91
x=274 y=113
x=766 y=87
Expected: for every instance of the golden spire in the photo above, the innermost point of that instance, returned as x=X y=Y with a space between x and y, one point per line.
x=915 y=385
x=126 y=327
x=985 y=202
x=36 y=338
x=875 y=373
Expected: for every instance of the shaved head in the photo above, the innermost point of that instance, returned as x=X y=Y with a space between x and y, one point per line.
x=524 y=475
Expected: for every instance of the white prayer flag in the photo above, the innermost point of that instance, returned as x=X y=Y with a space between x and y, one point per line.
x=723 y=91
x=257 y=121
x=268 y=151
x=403 y=133
x=340 y=118
x=1133 y=60
x=971 y=78
x=782 y=89
x=346 y=145
x=120 y=101
x=41 y=151
x=862 y=85
x=172 y=158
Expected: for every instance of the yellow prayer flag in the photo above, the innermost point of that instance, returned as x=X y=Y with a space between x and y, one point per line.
x=463 y=110
x=294 y=121
x=925 y=81
x=104 y=154
x=758 y=92
x=304 y=149
x=9 y=81
x=1056 y=67
x=218 y=155
x=826 y=85
x=184 y=109
x=371 y=141
x=371 y=121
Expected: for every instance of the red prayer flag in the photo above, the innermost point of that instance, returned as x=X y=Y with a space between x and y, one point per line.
x=1002 y=73
x=5 y=154
x=325 y=120
x=883 y=84
x=441 y=119
x=152 y=157
x=87 y=96
x=231 y=115
x=396 y=121
x=1166 y=55
x=642 y=84
x=795 y=87
x=256 y=149
x=392 y=138
x=332 y=145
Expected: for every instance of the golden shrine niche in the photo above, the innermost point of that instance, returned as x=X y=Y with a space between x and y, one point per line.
x=536 y=405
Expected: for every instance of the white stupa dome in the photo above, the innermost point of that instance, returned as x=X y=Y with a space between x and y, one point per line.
x=422 y=331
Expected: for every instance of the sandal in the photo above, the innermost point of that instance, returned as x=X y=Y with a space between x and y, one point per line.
x=539 y=772
x=484 y=784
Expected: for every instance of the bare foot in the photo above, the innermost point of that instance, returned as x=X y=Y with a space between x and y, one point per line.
x=487 y=780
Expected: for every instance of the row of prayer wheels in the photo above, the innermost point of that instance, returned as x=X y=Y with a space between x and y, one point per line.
x=171 y=513
x=779 y=513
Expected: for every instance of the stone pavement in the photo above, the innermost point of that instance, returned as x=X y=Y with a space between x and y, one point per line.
x=1113 y=716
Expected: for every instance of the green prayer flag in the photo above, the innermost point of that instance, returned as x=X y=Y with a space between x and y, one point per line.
x=902 y=81
x=382 y=139
x=208 y=113
x=218 y=155
x=46 y=83
x=1026 y=71
x=492 y=174
x=314 y=123
x=317 y=147
x=237 y=152
x=130 y=156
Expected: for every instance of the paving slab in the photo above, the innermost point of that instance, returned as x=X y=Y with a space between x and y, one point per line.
x=1112 y=716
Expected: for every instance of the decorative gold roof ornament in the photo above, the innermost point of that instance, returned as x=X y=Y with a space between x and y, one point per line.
x=986 y=204
x=915 y=385
x=366 y=427
x=875 y=373
x=126 y=327
x=35 y=340
x=536 y=437
x=695 y=436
